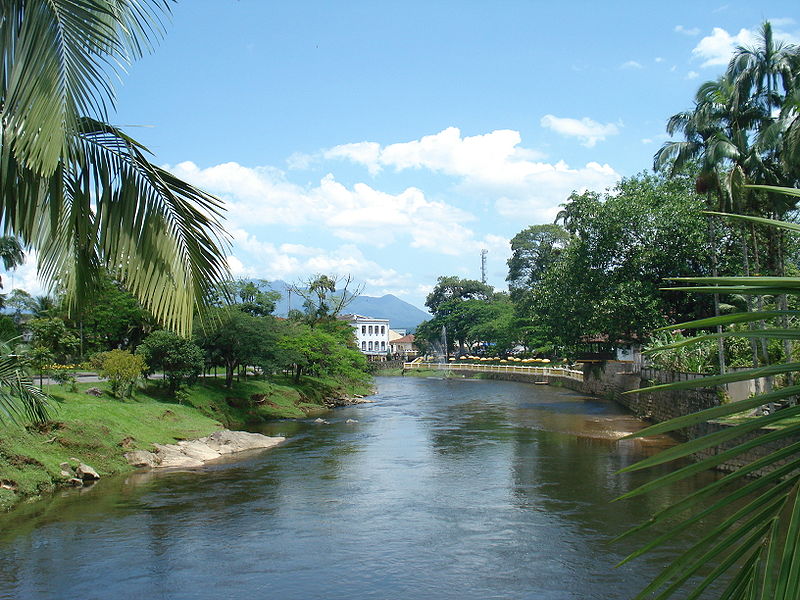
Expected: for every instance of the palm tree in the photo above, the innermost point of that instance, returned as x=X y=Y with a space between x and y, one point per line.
x=11 y=253
x=77 y=190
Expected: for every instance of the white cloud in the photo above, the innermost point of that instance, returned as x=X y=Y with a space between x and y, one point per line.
x=24 y=277
x=553 y=184
x=716 y=49
x=647 y=141
x=293 y=261
x=658 y=59
x=262 y=196
x=585 y=129
x=495 y=165
x=363 y=152
x=631 y=64
x=692 y=75
x=489 y=155
x=686 y=31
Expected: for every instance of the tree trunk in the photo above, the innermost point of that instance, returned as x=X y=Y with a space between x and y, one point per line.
x=715 y=273
x=229 y=369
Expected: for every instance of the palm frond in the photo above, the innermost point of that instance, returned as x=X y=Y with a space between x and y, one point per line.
x=59 y=60
x=754 y=534
x=20 y=399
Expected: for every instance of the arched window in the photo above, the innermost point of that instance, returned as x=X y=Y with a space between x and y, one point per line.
x=383 y=345
x=370 y=346
x=383 y=329
x=363 y=345
x=363 y=330
x=370 y=329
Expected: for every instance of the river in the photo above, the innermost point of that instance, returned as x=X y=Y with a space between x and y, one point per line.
x=462 y=489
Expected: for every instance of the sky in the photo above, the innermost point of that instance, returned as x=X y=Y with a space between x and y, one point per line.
x=393 y=141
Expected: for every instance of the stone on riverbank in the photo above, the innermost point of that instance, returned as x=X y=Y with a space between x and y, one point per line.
x=195 y=453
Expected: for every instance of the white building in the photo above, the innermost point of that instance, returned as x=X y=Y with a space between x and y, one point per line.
x=372 y=335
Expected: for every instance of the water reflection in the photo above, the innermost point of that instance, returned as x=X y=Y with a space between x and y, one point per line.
x=443 y=489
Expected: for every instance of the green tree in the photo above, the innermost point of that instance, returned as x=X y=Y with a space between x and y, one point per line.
x=234 y=338
x=606 y=282
x=320 y=351
x=180 y=359
x=111 y=318
x=533 y=251
x=122 y=369
x=53 y=334
x=450 y=287
x=20 y=302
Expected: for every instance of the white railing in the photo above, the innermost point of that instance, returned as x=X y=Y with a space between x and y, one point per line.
x=454 y=366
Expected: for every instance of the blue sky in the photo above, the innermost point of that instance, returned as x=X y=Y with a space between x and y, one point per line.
x=393 y=141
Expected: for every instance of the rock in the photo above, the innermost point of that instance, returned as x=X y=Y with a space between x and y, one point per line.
x=351 y=421
x=321 y=421
x=93 y=391
x=75 y=482
x=142 y=458
x=86 y=473
x=195 y=453
x=7 y=484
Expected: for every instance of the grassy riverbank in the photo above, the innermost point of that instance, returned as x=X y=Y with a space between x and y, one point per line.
x=99 y=430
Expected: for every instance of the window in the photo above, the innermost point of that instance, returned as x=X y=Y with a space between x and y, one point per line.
x=363 y=330
x=383 y=344
x=370 y=329
x=363 y=345
x=383 y=329
x=370 y=346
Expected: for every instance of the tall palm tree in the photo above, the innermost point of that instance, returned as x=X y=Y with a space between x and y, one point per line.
x=77 y=190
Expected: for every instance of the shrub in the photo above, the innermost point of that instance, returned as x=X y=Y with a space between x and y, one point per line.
x=122 y=369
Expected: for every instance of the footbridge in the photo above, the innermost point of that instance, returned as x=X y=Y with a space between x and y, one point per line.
x=528 y=373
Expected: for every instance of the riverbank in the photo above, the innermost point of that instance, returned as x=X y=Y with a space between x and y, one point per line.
x=100 y=430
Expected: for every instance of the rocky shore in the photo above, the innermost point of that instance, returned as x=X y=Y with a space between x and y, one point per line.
x=196 y=453
x=338 y=401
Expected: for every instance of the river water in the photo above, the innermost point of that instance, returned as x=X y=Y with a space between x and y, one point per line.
x=442 y=489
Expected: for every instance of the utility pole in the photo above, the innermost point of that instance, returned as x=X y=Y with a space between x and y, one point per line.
x=484 y=252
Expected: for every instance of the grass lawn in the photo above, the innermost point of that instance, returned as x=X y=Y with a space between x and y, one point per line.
x=99 y=430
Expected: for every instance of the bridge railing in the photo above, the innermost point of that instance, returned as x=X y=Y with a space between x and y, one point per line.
x=546 y=371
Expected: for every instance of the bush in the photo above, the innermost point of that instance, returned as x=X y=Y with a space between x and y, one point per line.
x=122 y=369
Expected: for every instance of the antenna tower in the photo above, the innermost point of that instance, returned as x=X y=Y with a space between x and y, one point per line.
x=484 y=252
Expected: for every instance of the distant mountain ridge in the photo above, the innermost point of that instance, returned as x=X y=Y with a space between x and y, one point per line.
x=400 y=313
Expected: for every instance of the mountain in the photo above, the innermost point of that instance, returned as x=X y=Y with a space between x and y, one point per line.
x=401 y=314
